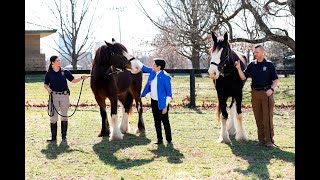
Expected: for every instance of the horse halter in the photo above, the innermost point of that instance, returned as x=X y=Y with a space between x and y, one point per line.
x=222 y=65
x=117 y=70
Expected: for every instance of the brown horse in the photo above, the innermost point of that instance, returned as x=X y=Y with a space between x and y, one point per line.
x=111 y=79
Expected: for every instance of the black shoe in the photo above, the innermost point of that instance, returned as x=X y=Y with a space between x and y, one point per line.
x=158 y=142
x=170 y=143
x=53 y=128
x=64 y=129
x=64 y=141
x=52 y=140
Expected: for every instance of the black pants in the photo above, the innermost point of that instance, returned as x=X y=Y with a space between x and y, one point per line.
x=158 y=117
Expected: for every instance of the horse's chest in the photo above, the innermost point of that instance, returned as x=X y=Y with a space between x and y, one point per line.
x=229 y=87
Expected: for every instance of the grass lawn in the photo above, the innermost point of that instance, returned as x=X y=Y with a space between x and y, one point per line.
x=206 y=96
x=196 y=154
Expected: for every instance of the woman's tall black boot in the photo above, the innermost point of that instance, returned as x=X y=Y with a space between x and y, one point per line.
x=53 y=128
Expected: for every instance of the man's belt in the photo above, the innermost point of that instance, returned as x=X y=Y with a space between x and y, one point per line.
x=62 y=92
x=261 y=88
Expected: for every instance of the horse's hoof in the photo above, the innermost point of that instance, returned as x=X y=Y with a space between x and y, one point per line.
x=140 y=131
x=220 y=140
x=226 y=141
x=241 y=138
x=231 y=132
x=116 y=138
x=124 y=130
x=103 y=134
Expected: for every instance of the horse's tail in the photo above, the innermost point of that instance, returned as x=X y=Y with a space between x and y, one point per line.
x=218 y=112
x=140 y=103
x=232 y=101
x=130 y=114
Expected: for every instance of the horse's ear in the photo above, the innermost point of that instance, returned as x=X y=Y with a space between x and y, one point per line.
x=108 y=44
x=113 y=40
x=225 y=37
x=214 y=37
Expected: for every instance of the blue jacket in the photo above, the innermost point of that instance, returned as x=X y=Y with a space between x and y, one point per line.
x=163 y=85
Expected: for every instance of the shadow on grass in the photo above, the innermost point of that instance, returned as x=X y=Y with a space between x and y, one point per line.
x=53 y=150
x=106 y=151
x=258 y=157
x=173 y=156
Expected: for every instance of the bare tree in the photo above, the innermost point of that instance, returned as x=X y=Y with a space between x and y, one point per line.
x=184 y=26
x=75 y=27
x=257 y=21
x=169 y=53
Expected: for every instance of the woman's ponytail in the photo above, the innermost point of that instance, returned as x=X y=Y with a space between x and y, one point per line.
x=52 y=59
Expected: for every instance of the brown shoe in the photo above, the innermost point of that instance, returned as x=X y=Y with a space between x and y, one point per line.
x=270 y=144
x=259 y=143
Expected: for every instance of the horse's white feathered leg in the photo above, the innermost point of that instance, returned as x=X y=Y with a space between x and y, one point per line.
x=224 y=135
x=230 y=123
x=124 y=126
x=241 y=134
x=115 y=133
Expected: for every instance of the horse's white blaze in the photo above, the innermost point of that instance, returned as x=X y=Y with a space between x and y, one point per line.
x=224 y=136
x=124 y=126
x=115 y=133
x=213 y=69
x=240 y=135
x=233 y=113
x=135 y=66
x=241 y=56
x=127 y=55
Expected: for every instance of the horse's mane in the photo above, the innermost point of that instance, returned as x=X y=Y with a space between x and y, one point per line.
x=211 y=49
x=99 y=54
x=103 y=51
x=118 y=48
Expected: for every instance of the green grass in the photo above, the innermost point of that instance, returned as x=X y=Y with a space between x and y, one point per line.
x=196 y=153
x=206 y=96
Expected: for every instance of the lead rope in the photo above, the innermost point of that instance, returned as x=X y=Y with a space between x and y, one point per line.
x=53 y=108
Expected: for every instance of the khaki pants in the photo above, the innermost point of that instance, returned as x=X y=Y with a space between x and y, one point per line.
x=263 y=115
x=62 y=103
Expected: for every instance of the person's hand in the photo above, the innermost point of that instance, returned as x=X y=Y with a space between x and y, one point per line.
x=84 y=77
x=237 y=64
x=49 y=91
x=269 y=92
x=137 y=68
x=165 y=110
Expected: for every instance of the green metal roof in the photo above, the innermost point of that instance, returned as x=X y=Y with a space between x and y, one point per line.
x=36 y=29
x=43 y=33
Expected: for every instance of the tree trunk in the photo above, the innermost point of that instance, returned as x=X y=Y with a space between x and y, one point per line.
x=74 y=61
x=195 y=58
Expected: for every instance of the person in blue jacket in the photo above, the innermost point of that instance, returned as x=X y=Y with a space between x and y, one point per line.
x=159 y=86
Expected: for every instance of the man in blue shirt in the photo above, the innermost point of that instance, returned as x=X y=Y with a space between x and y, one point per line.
x=264 y=81
x=159 y=86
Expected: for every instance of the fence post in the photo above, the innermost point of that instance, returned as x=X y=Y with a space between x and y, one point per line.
x=192 y=89
x=285 y=73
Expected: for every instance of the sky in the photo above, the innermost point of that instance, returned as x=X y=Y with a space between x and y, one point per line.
x=135 y=27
